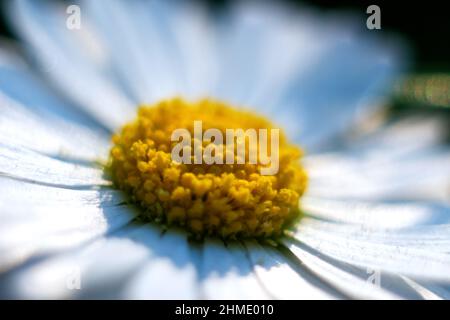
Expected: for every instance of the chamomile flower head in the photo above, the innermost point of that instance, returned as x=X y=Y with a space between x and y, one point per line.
x=114 y=119
x=225 y=198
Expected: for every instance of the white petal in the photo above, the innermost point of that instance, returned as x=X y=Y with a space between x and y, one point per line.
x=376 y=214
x=39 y=220
x=34 y=117
x=226 y=273
x=244 y=39
x=30 y=166
x=385 y=256
x=281 y=280
x=433 y=238
x=353 y=281
x=61 y=55
x=397 y=138
x=292 y=57
x=342 y=277
x=170 y=273
x=48 y=134
x=424 y=292
x=430 y=290
x=98 y=270
x=195 y=38
x=138 y=262
x=24 y=86
x=417 y=176
x=15 y=192
x=138 y=36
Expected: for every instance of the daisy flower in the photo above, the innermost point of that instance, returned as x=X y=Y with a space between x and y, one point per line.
x=91 y=207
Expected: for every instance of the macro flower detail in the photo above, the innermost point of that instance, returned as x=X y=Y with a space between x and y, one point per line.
x=94 y=202
x=224 y=199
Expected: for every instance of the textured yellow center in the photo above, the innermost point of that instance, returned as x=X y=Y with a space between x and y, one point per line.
x=225 y=200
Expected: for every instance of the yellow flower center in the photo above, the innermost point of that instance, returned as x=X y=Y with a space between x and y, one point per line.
x=229 y=200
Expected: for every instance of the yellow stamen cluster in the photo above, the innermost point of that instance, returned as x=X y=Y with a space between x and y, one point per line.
x=226 y=200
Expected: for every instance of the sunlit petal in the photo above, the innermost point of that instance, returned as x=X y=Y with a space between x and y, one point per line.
x=60 y=55
x=38 y=220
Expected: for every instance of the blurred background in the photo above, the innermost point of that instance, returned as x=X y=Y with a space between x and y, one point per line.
x=424 y=26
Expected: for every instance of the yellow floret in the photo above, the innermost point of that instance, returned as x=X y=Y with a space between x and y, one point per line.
x=226 y=200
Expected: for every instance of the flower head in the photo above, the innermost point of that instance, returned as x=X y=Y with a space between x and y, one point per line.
x=225 y=198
